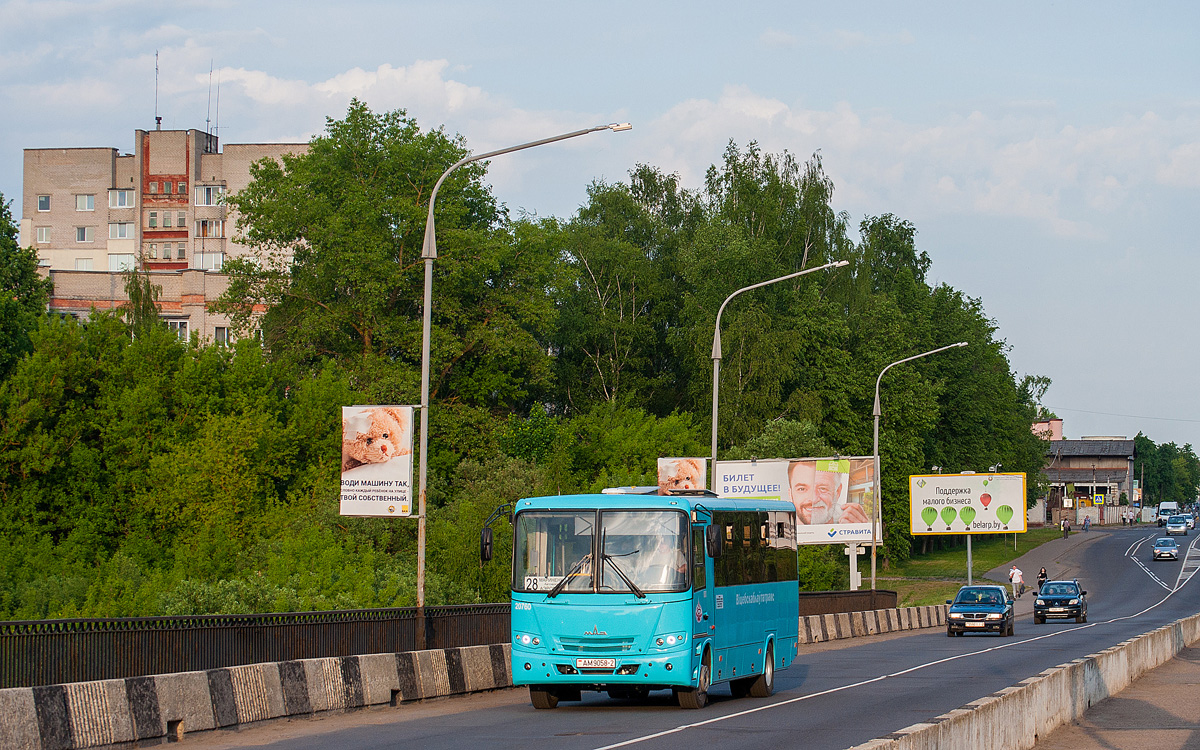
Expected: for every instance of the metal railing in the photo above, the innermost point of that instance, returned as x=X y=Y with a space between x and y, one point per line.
x=835 y=602
x=50 y=652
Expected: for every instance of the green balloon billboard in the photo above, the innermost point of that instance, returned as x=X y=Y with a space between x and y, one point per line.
x=967 y=503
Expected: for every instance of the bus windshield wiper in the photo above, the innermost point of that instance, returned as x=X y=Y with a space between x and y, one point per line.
x=610 y=559
x=558 y=587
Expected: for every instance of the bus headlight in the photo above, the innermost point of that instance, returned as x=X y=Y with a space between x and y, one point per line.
x=527 y=640
x=670 y=640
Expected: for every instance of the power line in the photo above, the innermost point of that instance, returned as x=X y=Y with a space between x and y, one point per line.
x=1127 y=416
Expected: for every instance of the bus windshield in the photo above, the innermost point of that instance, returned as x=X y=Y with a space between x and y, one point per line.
x=635 y=551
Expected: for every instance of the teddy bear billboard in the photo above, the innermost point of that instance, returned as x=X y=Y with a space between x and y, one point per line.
x=377 y=461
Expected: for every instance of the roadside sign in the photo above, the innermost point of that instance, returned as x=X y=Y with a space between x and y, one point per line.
x=967 y=503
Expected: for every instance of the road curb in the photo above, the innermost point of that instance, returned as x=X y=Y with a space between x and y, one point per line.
x=1016 y=717
x=162 y=708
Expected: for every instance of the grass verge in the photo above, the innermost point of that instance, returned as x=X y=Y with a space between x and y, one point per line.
x=934 y=577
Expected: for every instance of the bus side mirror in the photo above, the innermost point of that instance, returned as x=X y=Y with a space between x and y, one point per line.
x=712 y=541
x=485 y=544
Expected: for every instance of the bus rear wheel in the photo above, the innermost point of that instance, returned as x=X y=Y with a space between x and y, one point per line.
x=542 y=698
x=696 y=697
x=764 y=685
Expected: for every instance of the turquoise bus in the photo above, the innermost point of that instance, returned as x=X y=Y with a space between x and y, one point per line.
x=625 y=593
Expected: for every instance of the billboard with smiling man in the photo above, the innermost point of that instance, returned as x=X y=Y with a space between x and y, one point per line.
x=832 y=495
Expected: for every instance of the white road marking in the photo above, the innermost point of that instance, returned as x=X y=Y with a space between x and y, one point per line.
x=1010 y=644
x=1191 y=562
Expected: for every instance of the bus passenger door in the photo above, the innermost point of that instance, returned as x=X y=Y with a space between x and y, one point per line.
x=703 y=620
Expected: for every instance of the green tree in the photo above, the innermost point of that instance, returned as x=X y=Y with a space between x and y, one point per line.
x=24 y=294
x=141 y=311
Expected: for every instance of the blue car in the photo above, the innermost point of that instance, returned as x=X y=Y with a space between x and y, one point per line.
x=981 y=609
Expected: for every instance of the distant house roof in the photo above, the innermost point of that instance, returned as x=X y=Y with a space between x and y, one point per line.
x=1064 y=448
x=1085 y=476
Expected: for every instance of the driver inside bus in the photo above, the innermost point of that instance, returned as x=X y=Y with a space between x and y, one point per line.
x=666 y=565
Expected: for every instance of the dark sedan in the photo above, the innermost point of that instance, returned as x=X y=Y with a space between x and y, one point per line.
x=1061 y=599
x=980 y=609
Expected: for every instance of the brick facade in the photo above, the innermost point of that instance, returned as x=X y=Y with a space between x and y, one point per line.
x=92 y=212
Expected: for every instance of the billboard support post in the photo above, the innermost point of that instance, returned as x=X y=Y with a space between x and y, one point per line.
x=970 y=563
x=877 y=499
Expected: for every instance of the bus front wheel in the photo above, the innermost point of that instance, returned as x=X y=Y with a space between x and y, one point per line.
x=764 y=685
x=542 y=698
x=696 y=697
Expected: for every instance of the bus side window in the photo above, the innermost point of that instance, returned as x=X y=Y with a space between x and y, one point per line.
x=698 y=578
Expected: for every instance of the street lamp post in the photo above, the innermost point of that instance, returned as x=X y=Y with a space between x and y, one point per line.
x=428 y=254
x=877 y=511
x=716 y=350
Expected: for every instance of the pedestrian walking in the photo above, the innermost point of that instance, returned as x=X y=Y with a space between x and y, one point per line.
x=1066 y=526
x=1041 y=579
x=1018 y=581
x=1087 y=522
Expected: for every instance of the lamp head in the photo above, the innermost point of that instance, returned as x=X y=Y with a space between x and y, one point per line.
x=617 y=127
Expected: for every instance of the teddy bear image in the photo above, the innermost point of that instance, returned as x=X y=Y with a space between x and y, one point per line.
x=374 y=435
x=680 y=474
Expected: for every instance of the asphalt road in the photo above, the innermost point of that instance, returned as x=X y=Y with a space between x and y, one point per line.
x=834 y=695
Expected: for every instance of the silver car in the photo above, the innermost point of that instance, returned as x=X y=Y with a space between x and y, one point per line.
x=1166 y=549
x=1177 y=525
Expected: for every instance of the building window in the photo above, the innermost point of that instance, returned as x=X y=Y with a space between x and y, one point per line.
x=120 y=198
x=181 y=219
x=210 y=228
x=166 y=251
x=121 y=231
x=181 y=251
x=221 y=335
x=153 y=252
x=120 y=262
x=179 y=327
x=83 y=264
x=166 y=187
x=85 y=203
x=43 y=203
x=210 y=195
x=208 y=261
x=181 y=188
x=152 y=222
x=43 y=234
x=85 y=234
x=152 y=187
x=166 y=219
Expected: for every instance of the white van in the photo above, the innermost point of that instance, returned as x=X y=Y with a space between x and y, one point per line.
x=1166 y=509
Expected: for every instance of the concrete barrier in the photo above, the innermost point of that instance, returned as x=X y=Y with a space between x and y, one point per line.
x=151 y=710
x=1014 y=718
x=159 y=708
x=821 y=628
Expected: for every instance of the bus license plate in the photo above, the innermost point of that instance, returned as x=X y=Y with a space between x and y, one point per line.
x=596 y=663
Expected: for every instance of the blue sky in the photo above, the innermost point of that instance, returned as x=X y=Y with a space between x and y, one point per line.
x=1048 y=153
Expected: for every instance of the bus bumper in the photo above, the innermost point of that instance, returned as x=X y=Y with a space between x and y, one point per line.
x=657 y=671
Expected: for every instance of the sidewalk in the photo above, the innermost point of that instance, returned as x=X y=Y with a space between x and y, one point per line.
x=1161 y=710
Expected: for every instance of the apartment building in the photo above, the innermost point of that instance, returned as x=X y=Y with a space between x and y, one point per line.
x=95 y=212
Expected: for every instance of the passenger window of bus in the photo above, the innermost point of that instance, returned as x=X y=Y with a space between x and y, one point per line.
x=698 y=580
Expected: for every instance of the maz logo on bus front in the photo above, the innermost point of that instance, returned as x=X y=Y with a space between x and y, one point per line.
x=595 y=631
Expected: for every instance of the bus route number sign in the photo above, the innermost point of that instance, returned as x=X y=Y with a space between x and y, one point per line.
x=541 y=583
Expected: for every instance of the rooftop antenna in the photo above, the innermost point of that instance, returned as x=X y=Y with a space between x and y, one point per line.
x=157 y=119
x=208 y=118
x=217 y=120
